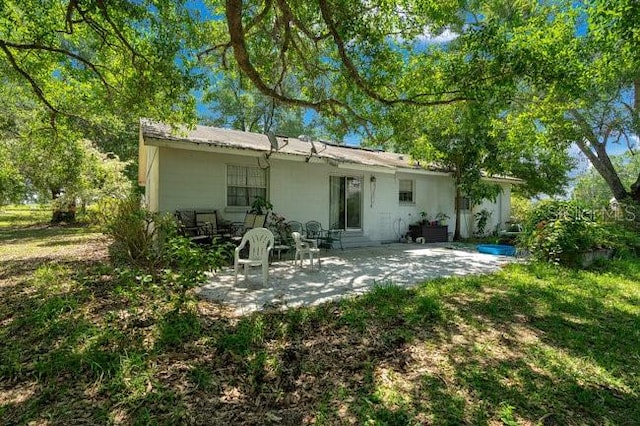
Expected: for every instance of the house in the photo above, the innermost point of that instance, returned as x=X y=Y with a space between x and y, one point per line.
x=371 y=194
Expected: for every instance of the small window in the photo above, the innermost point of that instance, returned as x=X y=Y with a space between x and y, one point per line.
x=465 y=203
x=245 y=184
x=405 y=192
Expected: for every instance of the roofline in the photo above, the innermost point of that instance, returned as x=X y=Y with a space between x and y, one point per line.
x=146 y=121
x=503 y=179
x=195 y=144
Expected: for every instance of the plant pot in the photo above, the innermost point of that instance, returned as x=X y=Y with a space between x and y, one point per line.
x=586 y=259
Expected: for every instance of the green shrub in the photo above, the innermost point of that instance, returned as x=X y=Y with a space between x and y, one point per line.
x=139 y=235
x=520 y=208
x=560 y=231
x=624 y=237
x=482 y=219
x=186 y=264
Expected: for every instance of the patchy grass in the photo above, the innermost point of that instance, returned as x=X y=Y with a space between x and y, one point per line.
x=12 y=217
x=533 y=344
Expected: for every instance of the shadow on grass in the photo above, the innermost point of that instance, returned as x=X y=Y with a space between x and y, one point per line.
x=38 y=233
x=531 y=344
x=67 y=327
x=526 y=347
x=10 y=269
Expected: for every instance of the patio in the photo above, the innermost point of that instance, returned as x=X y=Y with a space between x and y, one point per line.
x=347 y=273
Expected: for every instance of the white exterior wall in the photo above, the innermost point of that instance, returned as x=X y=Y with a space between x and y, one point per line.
x=151 y=174
x=300 y=191
x=501 y=211
x=188 y=179
x=197 y=180
x=388 y=219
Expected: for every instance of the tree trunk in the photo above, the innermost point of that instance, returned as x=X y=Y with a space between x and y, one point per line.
x=635 y=190
x=456 y=233
x=602 y=163
x=62 y=212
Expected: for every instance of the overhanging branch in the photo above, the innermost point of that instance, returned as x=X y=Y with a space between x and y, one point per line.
x=65 y=52
x=34 y=85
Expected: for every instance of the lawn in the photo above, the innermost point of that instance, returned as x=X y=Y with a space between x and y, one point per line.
x=83 y=343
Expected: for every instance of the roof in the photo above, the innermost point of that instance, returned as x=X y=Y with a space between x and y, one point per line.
x=330 y=152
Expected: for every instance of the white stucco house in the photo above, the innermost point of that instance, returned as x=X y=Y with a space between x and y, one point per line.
x=372 y=195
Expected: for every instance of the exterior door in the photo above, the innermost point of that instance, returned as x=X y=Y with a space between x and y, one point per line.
x=345 y=202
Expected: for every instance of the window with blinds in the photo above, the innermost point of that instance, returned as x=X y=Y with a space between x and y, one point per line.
x=244 y=185
x=405 y=193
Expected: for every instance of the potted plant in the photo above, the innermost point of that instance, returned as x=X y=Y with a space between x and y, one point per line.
x=424 y=218
x=482 y=219
x=442 y=218
x=260 y=206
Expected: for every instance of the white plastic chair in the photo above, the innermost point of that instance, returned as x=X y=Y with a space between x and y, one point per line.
x=305 y=247
x=260 y=242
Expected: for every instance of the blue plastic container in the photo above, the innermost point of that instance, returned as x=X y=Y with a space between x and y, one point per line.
x=498 y=249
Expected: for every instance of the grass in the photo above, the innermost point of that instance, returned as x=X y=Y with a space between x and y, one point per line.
x=532 y=344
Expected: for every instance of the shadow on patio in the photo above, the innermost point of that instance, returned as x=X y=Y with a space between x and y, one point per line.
x=347 y=273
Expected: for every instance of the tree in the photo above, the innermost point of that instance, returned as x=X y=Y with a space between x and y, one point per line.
x=472 y=142
x=233 y=102
x=66 y=170
x=577 y=73
x=613 y=115
x=12 y=188
x=57 y=165
x=75 y=70
x=456 y=138
x=95 y=63
x=592 y=188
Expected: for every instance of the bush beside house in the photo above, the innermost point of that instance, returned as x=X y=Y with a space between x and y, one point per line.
x=570 y=233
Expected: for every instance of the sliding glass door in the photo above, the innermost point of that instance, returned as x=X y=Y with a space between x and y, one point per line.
x=345 y=202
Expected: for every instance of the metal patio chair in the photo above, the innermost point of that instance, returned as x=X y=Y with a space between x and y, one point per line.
x=295 y=226
x=330 y=236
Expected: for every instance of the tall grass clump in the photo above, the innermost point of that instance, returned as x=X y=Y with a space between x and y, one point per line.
x=139 y=235
x=149 y=242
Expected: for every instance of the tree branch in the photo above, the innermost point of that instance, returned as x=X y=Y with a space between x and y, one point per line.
x=357 y=78
x=586 y=129
x=291 y=17
x=233 y=11
x=34 y=85
x=260 y=16
x=117 y=32
x=599 y=159
x=238 y=42
x=210 y=50
x=65 y=52
x=73 y=4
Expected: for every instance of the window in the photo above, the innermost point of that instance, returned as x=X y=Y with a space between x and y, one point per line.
x=245 y=184
x=405 y=193
x=465 y=203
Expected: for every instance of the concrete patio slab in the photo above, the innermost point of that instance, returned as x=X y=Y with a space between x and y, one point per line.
x=347 y=273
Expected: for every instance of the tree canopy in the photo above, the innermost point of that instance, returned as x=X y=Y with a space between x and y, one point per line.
x=540 y=75
x=233 y=102
x=102 y=64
